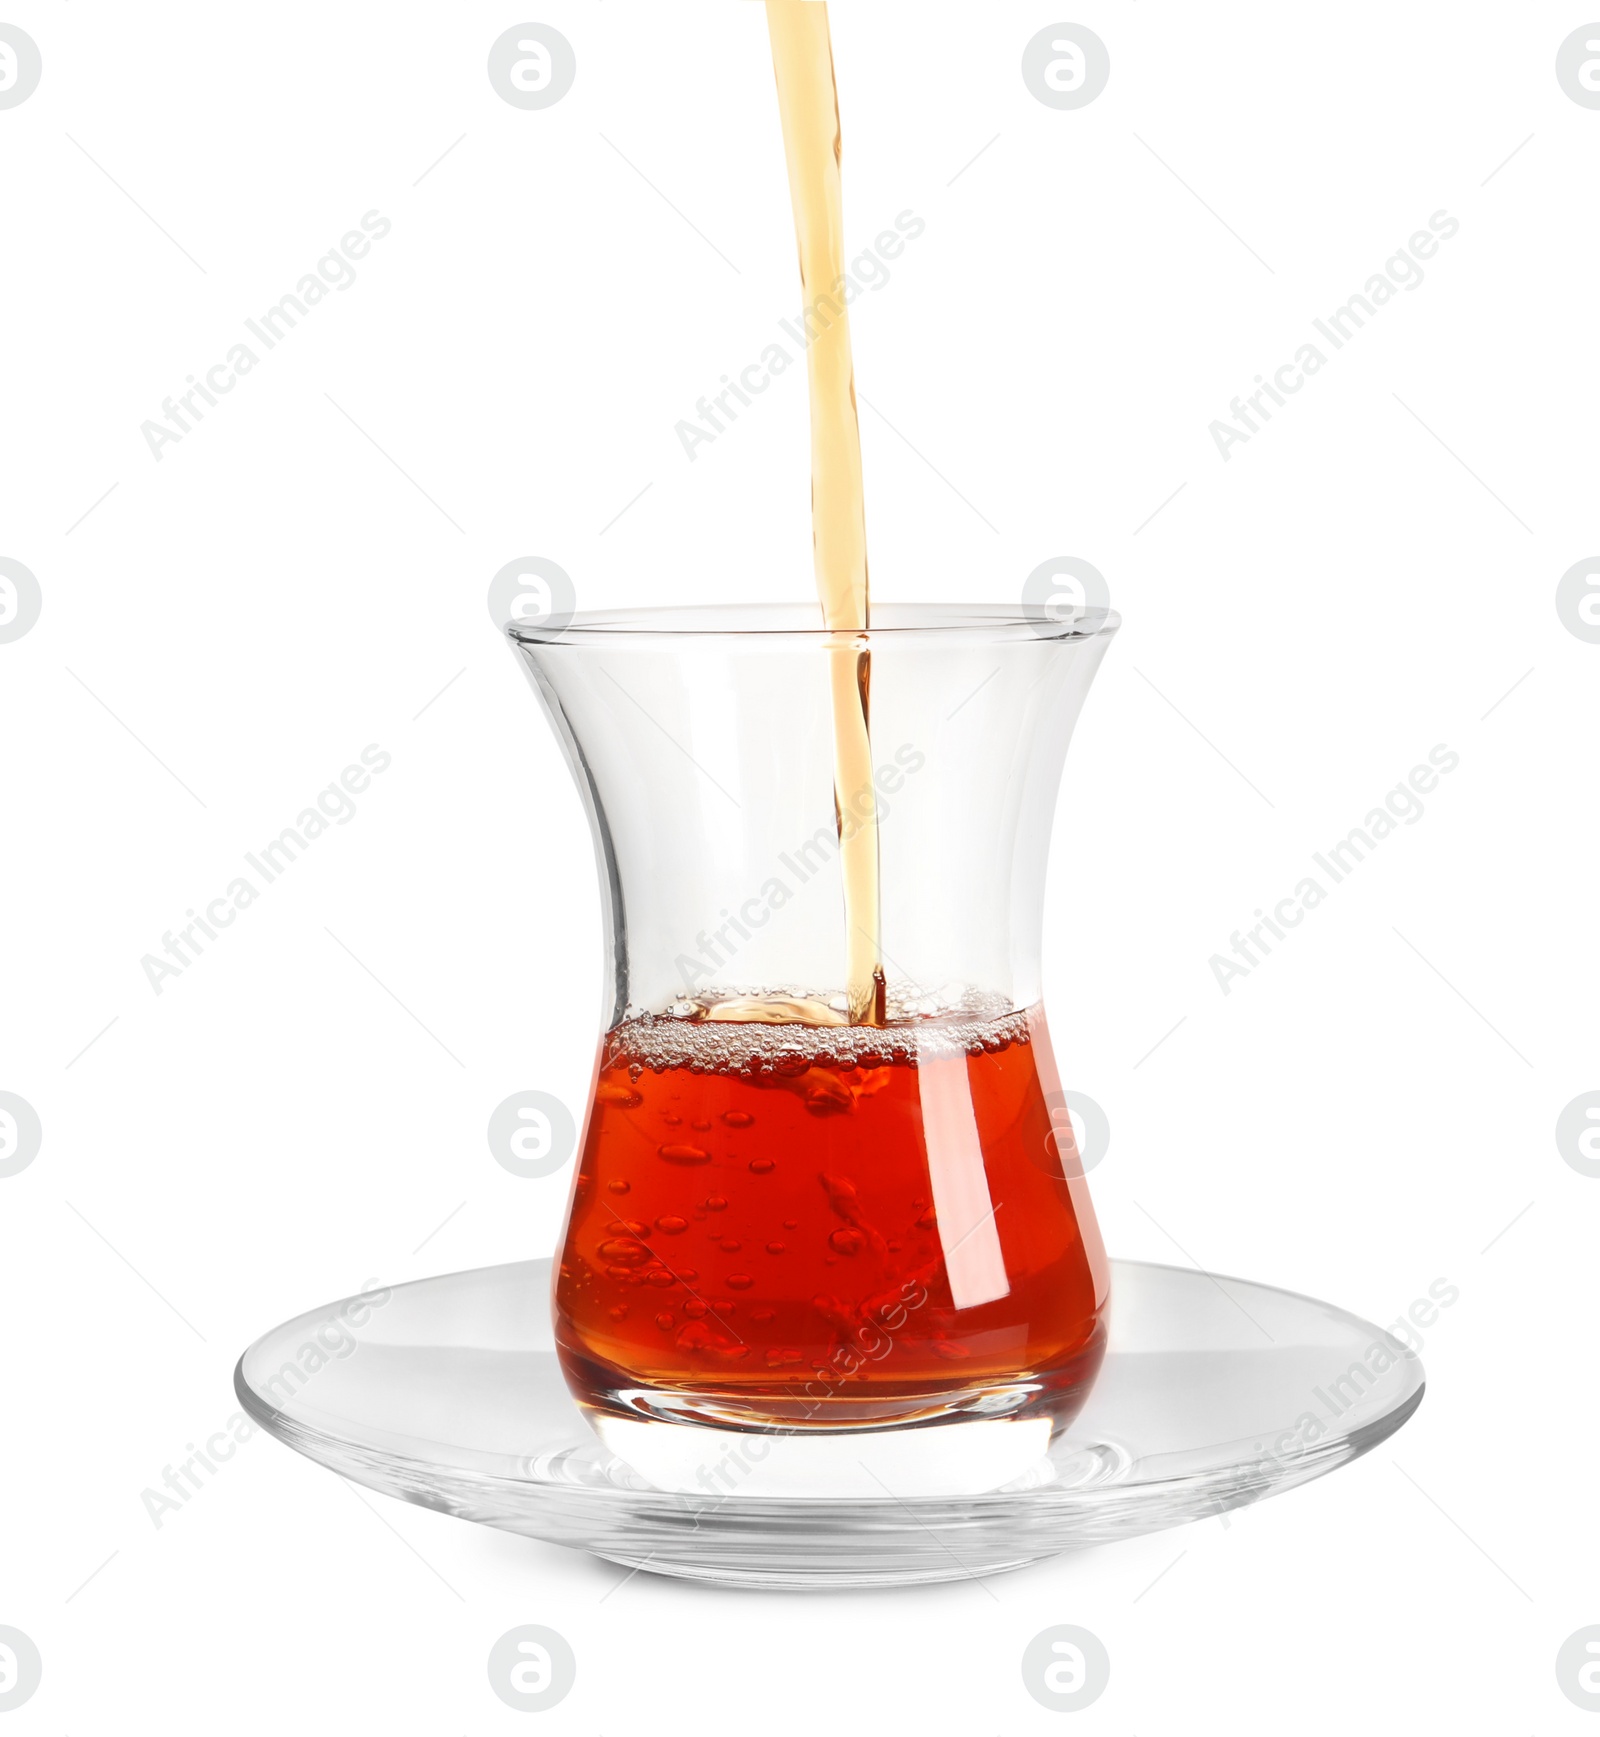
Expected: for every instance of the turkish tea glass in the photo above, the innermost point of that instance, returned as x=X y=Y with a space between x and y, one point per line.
x=801 y=1250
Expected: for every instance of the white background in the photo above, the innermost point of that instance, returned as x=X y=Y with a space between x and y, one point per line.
x=1364 y=1114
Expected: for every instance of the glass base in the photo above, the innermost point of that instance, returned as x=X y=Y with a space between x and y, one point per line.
x=957 y=1441
x=1214 y=1393
x=952 y=1458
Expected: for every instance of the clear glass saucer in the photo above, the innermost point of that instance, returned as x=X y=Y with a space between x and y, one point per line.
x=1215 y=1392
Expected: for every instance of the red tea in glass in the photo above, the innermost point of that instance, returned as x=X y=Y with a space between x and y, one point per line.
x=799 y=1228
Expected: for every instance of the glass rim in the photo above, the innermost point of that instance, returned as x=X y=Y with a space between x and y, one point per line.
x=982 y=622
